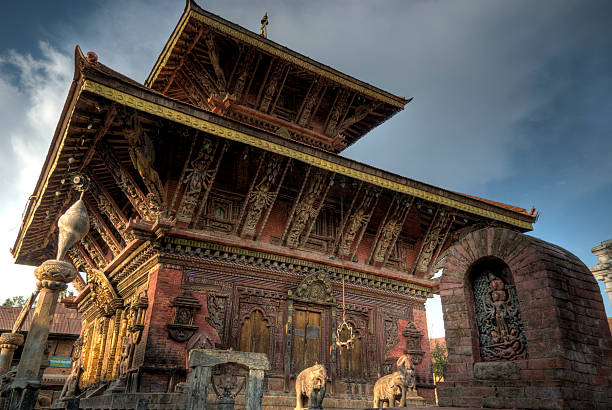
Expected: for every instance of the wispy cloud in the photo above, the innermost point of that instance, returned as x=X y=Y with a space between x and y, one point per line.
x=33 y=94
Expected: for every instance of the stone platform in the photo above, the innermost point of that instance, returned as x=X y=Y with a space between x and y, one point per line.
x=177 y=401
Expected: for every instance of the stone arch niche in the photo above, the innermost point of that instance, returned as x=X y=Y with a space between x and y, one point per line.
x=496 y=311
x=551 y=301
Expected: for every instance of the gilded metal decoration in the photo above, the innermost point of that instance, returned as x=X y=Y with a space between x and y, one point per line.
x=500 y=327
x=182 y=327
x=263 y=31
x=316 y=288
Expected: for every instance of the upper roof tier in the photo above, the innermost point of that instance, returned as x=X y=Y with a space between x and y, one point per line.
x=224 y=68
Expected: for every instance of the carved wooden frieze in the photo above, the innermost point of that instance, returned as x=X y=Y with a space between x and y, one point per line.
x=390 y=333
x=185 y=307
x=217 y=307
x=500 y=328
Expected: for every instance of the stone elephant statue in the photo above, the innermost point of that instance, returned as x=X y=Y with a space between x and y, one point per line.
x=310 y=387
x=388 y=389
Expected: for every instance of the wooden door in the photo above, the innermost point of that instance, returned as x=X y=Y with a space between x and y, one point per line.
x=255 y=334
x=306 y=339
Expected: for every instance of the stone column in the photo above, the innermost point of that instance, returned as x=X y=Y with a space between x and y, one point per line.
x=254 y=390
x=603 y=270
x=53 y=275
x=9 y=342
x=198 y=381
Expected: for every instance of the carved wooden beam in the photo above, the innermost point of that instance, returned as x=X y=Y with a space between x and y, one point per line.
x=145 y=209
x=108 y=207
x=193 y=43
x=193 y=92
x=142 y=154
x=94 y=251
x=310 y=101
x=209 y=179
x=200 y=76
x=262 y=195
x=360 y=113
x=435 y=234
x=337 y=112
x=79 y=263
x=243 y=70
x=356 y=221
x=271 y=88
x=307 y=207
x=214 y=59
x=106 y=124
x=197 y=176
x=390 y=229
x=96 y=222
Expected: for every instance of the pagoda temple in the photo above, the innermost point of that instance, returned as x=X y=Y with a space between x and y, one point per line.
x=223 y=215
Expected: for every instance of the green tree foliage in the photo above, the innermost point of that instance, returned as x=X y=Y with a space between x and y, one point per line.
x=439 y=359
x=15 y=301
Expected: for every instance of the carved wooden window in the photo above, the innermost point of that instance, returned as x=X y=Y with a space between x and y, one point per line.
x=351 y=360
x=255 y=334
x=496 y=310
x=220 y=213
x=306 y=339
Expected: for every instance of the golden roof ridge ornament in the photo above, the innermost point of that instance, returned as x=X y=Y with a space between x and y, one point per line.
x=263 y=31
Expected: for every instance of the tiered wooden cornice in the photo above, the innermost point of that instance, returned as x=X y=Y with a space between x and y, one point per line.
x=183 y=172
x=221 y=67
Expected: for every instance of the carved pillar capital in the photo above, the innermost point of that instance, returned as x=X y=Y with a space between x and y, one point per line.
x=11 y=341
x=54 y=274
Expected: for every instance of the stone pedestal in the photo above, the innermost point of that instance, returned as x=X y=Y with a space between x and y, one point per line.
x=603 y=270
x=9 y=342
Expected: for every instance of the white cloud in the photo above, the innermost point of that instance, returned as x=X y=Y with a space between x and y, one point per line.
x=33 y=94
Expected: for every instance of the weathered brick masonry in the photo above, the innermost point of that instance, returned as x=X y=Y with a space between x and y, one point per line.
x=569 y=349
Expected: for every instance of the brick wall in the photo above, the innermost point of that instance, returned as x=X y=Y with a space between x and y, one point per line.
x=569 y=348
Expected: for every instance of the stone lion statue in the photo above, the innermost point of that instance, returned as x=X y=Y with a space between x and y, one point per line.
x=310 y=387
x=388 y=389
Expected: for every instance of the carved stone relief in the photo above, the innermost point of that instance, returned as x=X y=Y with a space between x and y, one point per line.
x=217 y=306
x=182 y=328
x=500 y=327
x=390 y=334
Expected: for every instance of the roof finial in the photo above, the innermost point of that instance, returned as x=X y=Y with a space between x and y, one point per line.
x=264 y=26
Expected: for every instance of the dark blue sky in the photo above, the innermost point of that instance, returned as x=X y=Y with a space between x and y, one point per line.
x=512 y=100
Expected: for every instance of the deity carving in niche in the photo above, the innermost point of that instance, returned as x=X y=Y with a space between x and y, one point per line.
x=498 y=318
